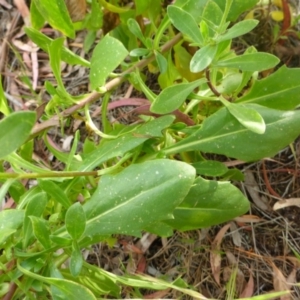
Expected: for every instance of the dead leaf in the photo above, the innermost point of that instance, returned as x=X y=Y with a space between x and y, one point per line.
x=248 y=219
x=215 y=256
x=236 y=236
x=280 y=283
x=286 y=203
x=249 y=288
x=253 y=190
x=157 y=295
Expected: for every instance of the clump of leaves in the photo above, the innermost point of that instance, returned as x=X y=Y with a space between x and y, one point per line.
x=145 y=176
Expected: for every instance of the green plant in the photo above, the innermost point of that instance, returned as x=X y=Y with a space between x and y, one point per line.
x=145 y=176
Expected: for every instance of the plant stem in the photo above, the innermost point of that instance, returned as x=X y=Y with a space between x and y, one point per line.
x=47 y=174
x=54 y=121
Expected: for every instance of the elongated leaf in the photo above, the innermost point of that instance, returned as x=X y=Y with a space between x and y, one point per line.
x=173 y=97
x=185 y=23
x=252 y=62
x=134 y=27
x=66 y=55
x=221 y=133
x=141 y=194
x=36 y=18
x=120 y=146
x=203 y=58
x=209 y=203
x=56 y=14
x=35 y=208
x=55 y=192
x=75 y=221
x=41 y=231
x=107 y=55
x=238 y=29
x=15 y=130
x=70 y=289
x=280 y=90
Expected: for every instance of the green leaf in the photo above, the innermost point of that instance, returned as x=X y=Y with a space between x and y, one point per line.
x=210 y=168
x=161 y=62
x=70 y=289
x=141 y=194
x=10 y=220
x=55 y=60
x=76 y=260
x=212 y=15
x=237 y=7
x=55 y=192
x=41 y=231
x=248 y=117
x=237 y=30
x=35 y=207
x=44 y=42
x=4 y=108
x=203 y=58
x=185 y=23
x=209 y=203
x=75 y=221
x=139 y=52
x=252 y=62
x=172 y=97
x=280 y=90
x=36 y=18
x=221 y=133
x=107 y=55
x=56 y=14
x=15 y=130
x=134 y=27
x=125 y=143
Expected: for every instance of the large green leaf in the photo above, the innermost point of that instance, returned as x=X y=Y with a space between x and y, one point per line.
x=280 y=90
x=209 y=203
x=15 y=130
x=56 y=14
x=107 y=55
x=252 y=62
x=141 y=194
x=221 y=133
